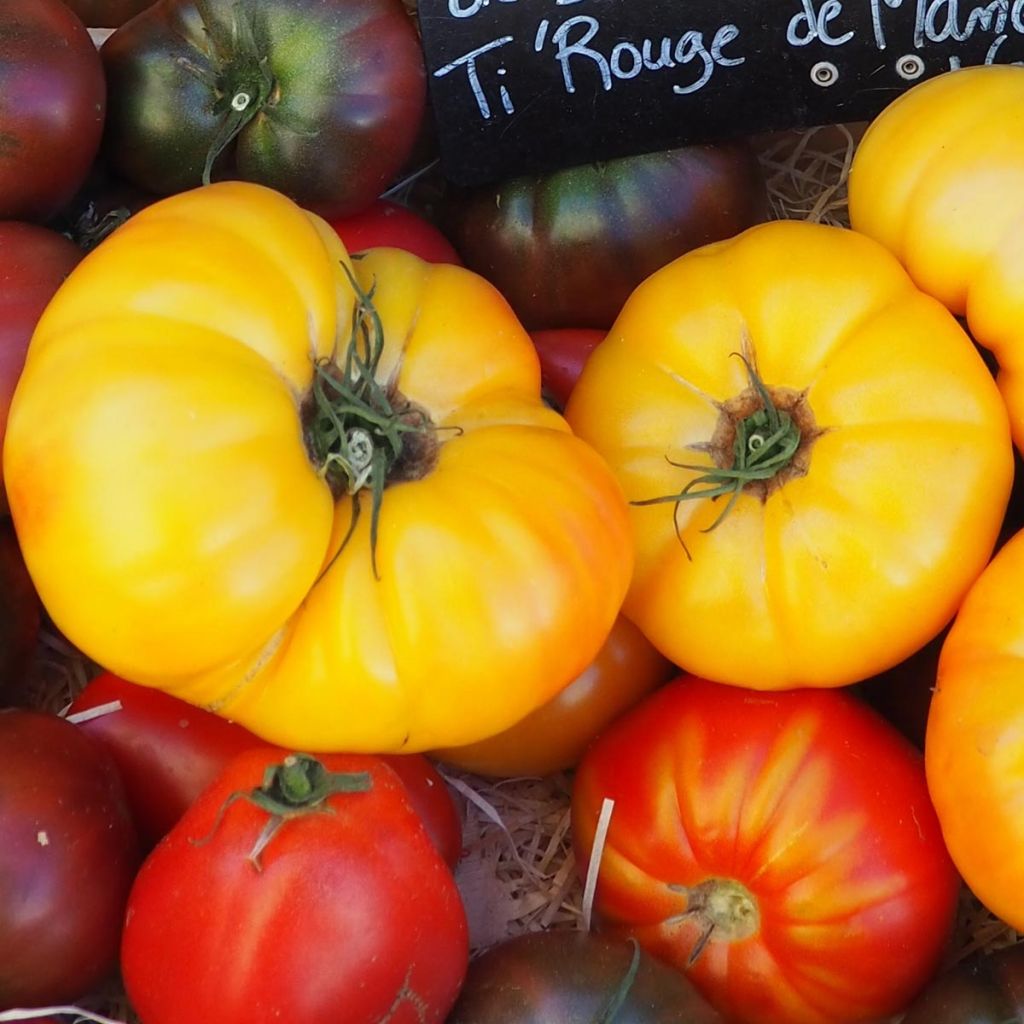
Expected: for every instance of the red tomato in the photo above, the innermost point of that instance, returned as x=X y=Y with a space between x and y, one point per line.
x=52 y=105
x=387 y=224
x=168 y=752
x=19 y=615
x=67 y=858
x=343 y=911
x=33 y=263
x=780 y=848
x=563 y=351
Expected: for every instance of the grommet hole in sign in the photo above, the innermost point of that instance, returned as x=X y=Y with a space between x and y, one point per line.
x=824 y=73
x=910 y=67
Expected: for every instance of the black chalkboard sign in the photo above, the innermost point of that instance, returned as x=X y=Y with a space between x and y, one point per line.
x=525 y=86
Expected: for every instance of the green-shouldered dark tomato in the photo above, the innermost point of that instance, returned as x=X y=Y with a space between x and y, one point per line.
x=566 y=249
x=319 y=99
x=576 y=978
x=981 y=990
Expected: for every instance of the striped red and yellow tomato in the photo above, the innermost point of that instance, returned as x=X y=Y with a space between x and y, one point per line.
x=818 y=458
x=332 y=508
x=780 y=848
x=939 y=180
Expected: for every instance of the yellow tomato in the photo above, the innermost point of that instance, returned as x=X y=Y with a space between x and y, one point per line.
x=826 y=535
x=939 y=180
x=207 y=419
x=973 y=751
x=554 y=737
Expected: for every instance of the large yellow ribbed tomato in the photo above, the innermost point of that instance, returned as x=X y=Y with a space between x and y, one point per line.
x=196 y=433
x=818 y=458
x=939 y=180
x=973 y=748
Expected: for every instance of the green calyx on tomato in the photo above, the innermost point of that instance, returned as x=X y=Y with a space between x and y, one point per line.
x=763 y=438
x=621 y=994
x=725 y=909
x=240 y=78
x=361 y=433
x=298 y=786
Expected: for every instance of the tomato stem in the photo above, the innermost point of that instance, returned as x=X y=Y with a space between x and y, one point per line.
x=241 y=78
x=297 y=786
x=362 y=434
x=724 y=909
x=764 y=441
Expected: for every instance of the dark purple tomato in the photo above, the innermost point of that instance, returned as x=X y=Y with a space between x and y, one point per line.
x=19 y=615
x=576 y=978
x=67 y=861
x=567 y=249
x=52 y=105
x=985 y=989
x=322 y=100
x=33 y=263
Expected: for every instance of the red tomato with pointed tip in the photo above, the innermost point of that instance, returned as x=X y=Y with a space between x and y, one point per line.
x=391 y=225
x=168 y=752
x=335 y=907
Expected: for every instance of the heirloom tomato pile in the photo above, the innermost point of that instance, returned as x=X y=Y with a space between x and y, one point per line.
x=353 y=501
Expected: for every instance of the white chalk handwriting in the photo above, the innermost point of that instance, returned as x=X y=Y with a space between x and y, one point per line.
x=590 y=55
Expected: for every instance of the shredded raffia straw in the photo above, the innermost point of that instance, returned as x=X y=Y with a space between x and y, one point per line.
x=79 y=1014
x=518 y=872
x=604 y=821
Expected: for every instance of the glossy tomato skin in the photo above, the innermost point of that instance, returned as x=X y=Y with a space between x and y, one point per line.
x=340 y=641
x=938 y=178
x=52 y=107
x=553 y=737
x=572 y=978
x=797 y=824
x=971 y=741
x=66 y=863
x=19 y=615
x=167 y=752
x=985 y=989
x=351 y=906
x=566 y=249
x=107 y=13
x=563 y=352
x=34 y=261
x=856 y=549
x=345 y=93
x=385 y=223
